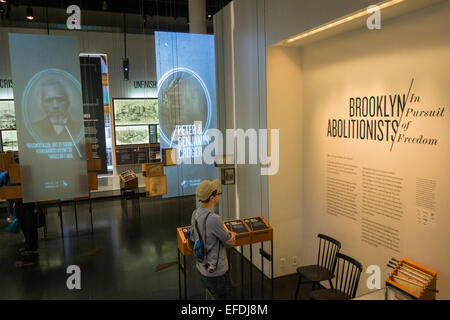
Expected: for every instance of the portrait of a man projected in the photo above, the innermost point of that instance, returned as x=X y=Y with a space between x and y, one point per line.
x=48 y=100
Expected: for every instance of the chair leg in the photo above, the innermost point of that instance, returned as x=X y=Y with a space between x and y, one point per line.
x=313 y=286
x=331 y=284
x=298 y=286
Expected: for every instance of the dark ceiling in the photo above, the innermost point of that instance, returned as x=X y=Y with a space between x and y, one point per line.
x=175 y=9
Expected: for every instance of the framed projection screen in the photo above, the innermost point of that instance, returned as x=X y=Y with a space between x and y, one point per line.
x=7 y=115
x=8 y=133
x=131 y=112
x=9 y=140
x=48 y=106
x=132 y=135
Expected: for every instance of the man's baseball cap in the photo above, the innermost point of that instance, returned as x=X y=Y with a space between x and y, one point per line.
x=206 y=188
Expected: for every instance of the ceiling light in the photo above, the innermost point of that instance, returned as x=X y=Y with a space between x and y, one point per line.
x=335 y=23
x=30 y=15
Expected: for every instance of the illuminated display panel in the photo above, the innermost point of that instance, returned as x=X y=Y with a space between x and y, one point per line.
x=132 y=135
x=187 y=106
x=7 y=115
x=129 y=112
x=49 y=117
x=9 y=140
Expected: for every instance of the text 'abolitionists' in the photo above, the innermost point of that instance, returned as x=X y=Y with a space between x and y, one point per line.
x=384 y=118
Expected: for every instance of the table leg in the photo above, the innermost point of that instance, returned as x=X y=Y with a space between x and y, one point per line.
x=185 y=274
x=76 y=215
x=90 y=211
x=61 y=221
x=179 y=274
x=45 y=223
x=251 y=271
x=262 y=267
x=271 y=264
x=242 y=271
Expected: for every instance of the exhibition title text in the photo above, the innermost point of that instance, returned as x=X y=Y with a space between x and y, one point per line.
x=383 y=112
x=385 y=118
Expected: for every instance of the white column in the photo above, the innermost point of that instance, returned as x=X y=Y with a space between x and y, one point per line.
x=197 y=16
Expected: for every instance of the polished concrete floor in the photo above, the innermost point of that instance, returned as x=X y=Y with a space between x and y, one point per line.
x=128 y=256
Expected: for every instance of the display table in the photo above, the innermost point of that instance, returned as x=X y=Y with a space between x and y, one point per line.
x=248 y=232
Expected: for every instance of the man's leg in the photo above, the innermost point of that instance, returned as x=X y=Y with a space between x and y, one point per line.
x=210 y=283
x=224 y=287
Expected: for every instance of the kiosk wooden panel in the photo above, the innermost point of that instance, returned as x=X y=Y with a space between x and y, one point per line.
x=183 y=244
x=155 y=186
x=14 y=173
x=152 y=169
x=11 y=192
x=238 y=226
x=408 y=284
x=128 y=180
x=260 y=229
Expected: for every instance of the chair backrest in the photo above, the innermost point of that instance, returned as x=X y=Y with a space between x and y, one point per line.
x=328 y=249
x=348 y=272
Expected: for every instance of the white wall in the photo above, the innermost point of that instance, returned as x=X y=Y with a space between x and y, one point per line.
x=365 y=63
x=298 y=219
x=284 y=94
x=243 y=30
x=240 y=102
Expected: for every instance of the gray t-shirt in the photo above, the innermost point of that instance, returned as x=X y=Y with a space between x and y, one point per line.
x=216 y=235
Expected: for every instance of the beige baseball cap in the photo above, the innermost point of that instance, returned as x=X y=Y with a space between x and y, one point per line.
x=206 y=188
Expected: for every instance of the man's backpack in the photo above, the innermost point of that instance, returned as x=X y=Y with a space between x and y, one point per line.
x=197 y=244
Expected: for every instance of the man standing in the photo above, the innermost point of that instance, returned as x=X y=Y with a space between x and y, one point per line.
x=214 y=268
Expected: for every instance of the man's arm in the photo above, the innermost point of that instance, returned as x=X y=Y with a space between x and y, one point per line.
x=230 y=242
x=218 y=230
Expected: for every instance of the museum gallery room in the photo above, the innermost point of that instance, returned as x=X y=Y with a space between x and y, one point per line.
x=224 y=150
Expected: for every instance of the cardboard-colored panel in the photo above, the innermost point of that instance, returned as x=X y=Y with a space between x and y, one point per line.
x=5 y=160
x=10 y=192
x=169 y=157
x=153 y=169
x=92 y=181
x=88 y=151
x=14 y=173
x=156 y=186
x=94 y=164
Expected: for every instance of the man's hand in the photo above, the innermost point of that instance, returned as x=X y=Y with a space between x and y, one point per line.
x=232 y=239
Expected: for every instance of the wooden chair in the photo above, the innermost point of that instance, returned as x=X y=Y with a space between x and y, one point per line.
x=326 y=262
x=348 y=272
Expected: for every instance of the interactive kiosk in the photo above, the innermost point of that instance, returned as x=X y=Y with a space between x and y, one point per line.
x=248 y=232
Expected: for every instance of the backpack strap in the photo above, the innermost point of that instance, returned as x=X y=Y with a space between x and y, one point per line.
x=202 y=243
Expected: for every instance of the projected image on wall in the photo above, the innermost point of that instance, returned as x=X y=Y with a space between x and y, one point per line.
x=130 y=135
x=9 y=140
x=183 y=95
x=49 y=117
x=187 y=105
x=135 y=111
x=7 y=115
x=48 y=101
